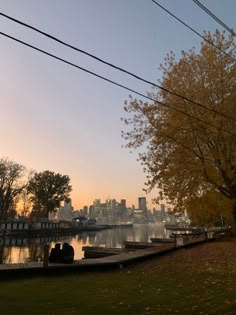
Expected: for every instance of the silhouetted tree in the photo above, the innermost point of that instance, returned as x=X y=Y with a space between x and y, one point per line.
x=47 y=190
x=25 y=204
x=11 y=186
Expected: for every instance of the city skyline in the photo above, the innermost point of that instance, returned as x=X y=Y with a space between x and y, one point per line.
x=55 y=117
x=109 y=199
x=112 y=211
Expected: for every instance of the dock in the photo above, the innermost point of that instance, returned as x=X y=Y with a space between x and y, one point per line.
x=162 y=240
x=117 y=258
x=112 y=261
x=184 y=229
x=138 y=245
x=98 y=251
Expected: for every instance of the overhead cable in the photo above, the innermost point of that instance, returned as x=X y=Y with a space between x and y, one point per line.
x=230 y=30
x=110 y=81
x=113 y=66
x=193 y=30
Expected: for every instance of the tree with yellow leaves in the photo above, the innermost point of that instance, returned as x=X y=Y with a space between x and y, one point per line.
x=188 y=145
x=212 y=208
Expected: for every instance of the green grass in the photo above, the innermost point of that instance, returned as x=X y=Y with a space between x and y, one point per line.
x=165 y=285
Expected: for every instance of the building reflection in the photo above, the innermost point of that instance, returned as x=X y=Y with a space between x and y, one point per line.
x=23 y=250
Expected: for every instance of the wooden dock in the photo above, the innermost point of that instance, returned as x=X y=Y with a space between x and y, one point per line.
x=184 y=229
x=98 y=252
x=112 y=261
x=138 y=245
x=162 y=240
x=118 y=260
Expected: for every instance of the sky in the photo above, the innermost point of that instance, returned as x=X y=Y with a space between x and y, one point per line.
x=56 y=117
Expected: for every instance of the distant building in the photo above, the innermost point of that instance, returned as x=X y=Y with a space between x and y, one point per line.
x=123 y=204
x=139 y=216
x=96 y=207
x=85 y=210
x=65 y=212
x=169 y=210
x=163 y=208
x=142 y=203
x=75 y=214
x=91 y=211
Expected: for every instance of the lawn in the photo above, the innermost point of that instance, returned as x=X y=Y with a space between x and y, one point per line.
x=198 y=280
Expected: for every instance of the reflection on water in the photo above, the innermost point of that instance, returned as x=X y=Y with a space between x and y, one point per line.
x=23 y=250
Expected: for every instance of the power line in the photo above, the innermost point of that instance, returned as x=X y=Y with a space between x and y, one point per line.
x=110 y=81
x=230 y=30
x=193 y=30
x=112 y=65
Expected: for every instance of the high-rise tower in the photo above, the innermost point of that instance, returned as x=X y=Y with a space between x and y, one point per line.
x=142 y=203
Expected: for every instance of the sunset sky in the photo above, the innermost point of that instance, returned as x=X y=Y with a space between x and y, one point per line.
x=56 y=117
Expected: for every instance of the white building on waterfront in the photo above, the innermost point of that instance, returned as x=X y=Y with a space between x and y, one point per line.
x=65 y=213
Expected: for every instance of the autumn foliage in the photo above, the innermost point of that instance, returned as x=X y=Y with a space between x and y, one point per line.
x=188 y=146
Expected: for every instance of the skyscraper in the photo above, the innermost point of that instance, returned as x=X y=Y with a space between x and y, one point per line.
x=163 y=208
x=142 y=203
x=123 y=205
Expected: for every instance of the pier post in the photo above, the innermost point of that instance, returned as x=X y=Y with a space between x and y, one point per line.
x=45 y=255
x=175 y=241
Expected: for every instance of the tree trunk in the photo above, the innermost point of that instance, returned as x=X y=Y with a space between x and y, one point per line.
x=234 y=218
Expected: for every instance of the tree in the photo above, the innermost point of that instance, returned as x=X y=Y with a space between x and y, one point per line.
x=47 y=190
x=187 y=149
x=25 y=204
x=11 y=186
x=212 y=208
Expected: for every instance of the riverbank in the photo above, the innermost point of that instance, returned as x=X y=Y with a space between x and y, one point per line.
x=195 y=280
x=60 y=231
x=32 y=233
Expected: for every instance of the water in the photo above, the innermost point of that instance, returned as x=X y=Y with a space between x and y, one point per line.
x=27 y=250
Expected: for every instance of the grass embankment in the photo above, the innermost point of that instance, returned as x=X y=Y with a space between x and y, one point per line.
x=198 y=280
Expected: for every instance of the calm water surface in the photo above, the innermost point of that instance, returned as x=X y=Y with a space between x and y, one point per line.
x=17 y=251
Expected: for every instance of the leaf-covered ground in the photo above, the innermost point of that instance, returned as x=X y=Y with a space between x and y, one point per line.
x=203 y=278
x=197 y=280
